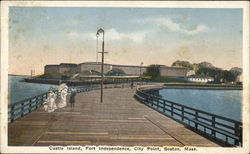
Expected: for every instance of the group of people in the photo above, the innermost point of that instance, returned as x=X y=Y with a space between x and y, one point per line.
x=63 y=90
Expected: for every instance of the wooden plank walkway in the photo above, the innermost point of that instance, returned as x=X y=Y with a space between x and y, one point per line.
x=119 y=120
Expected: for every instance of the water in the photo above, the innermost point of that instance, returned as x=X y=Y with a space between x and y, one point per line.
x=226 y=103
x=19 y=90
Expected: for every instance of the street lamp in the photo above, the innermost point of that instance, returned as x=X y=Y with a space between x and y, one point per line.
x=97 y=35
x=140 y=71
x=99 y=31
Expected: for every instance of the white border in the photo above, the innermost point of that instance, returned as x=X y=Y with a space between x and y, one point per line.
x=158 y=4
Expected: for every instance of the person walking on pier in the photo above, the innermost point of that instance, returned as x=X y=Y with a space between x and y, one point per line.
x=63 y=92
x=132 y=85
x=72 y=97
x=50 y=104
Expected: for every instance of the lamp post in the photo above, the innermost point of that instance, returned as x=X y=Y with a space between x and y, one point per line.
x=140 y=71
x=97 y=47
x=97 y=35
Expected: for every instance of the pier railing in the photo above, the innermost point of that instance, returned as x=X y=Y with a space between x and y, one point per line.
x=24 y=107
x=218 y=128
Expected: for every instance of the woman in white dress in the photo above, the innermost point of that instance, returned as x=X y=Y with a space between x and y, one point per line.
x=63 y=92
x=50 y=104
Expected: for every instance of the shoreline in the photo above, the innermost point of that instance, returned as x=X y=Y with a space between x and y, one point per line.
x=203 y=86
x=193 y=86
x=162 y=85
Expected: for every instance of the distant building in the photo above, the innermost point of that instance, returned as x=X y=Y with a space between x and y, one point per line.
x=95 y=66
x=173 y=71
x=130 y=69
x=190 y=72
x=68 y=68
x=127 y=69
x=88 y=68
x=61 y=69
x=51 y=69
x=202 y=79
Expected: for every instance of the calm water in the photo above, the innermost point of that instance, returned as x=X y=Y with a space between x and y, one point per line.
x=225 y=103
x=19 y=90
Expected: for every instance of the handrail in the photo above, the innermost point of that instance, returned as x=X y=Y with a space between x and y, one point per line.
x=27 y=99
x=229 y=128
x=21 y=108
x=218 y=116
x=16 y=110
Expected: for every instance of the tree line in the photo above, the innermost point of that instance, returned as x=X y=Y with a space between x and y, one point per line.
x=201 y=69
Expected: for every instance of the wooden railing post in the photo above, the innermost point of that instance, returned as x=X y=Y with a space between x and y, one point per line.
x=213 y=125
x=172 y=109
x=157 y=99
x=30 y=106
x=22 y=109
x=238 y=132
x=240 y=135
x=12 y=114
x=37 y=100
x=147 y=99
x=151 y=100
x=196 y=118
x=164 y=106
x=182 y=113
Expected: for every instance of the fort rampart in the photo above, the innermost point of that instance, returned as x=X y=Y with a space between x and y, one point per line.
x=71 y=69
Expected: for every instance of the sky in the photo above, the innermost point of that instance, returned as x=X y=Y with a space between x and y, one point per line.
x=52 y=35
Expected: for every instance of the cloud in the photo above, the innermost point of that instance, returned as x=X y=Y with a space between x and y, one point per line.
x=72 y=34
x=110 y=34
x=173 y=26
x=113 y=34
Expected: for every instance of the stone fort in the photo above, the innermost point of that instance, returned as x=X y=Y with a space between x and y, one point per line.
x=71 y=69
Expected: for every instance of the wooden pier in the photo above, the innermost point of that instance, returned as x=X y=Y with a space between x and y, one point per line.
x=119 y=120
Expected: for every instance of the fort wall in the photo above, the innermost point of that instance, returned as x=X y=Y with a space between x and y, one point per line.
x=71 y=69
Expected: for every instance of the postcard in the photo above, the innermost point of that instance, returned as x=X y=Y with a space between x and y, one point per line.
x=124 y=77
